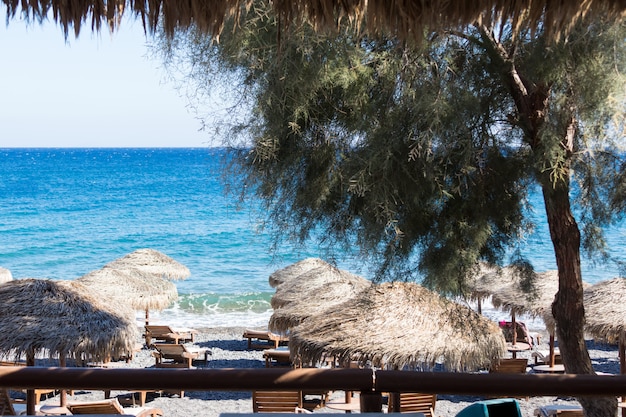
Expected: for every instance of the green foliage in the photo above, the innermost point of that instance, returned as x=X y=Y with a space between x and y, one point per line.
x=415 y=153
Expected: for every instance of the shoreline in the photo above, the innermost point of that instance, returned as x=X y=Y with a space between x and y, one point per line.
x=229 y=350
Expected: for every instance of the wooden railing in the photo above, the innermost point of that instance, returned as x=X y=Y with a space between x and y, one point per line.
x=363 y=380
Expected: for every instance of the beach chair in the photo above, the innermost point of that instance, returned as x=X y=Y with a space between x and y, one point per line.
x=165 y=334
x=510 y=366
x=112 y=406
x=560 y=410
x=6 y=405
x=170 y=355
x=523 y=335
x=542 y=357
x=277 y=402
x=412 y=402
x=264 y=339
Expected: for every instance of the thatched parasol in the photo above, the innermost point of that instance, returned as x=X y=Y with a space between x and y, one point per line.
x=61 y=318
x=406 y=18
x=318 y=299
x=484 y=280
x=308 y=285
x=139 y=290
x=400 y=325
x=5 y=275
x=152 y=262
x=536 y=303
x=294 y=270
x=605 y=313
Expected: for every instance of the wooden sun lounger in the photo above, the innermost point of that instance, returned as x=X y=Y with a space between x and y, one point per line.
x=180 y=356
x=413 y=402
x=277 y=402
x=112 y=406
x=273 y=340
x=166 y=334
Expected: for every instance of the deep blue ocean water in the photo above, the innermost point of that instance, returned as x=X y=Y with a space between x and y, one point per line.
x=65 y=212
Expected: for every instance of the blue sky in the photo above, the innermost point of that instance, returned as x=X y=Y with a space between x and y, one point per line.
x=99 y=90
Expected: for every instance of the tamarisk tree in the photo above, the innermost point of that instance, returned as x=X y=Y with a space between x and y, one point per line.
x=423 y=154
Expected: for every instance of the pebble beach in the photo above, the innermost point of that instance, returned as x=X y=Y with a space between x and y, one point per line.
x=230 y=350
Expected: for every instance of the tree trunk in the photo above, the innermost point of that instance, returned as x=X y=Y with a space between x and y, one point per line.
x=531 y=99
x=568 y=309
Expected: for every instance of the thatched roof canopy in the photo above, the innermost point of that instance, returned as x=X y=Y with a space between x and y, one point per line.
x=151 y=262
x=406 y=18
x=5 y=275
x=400 y=325
x=294 y=270
x=514 y=298
x=536 y=303
x=134 y=288
x=605 y=309
x=62 y=317
x=327 y=296
x=308 y=285
x=485 y=280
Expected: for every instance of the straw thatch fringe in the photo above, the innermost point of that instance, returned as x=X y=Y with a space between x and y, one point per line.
x=323 y=283
x=325 y=297
x=400 y=325
x=294 y=270
x=405 y=18
x=134 y=288
x=485 y=280
x=536 y=303
x=152 y=262
x=62 y=318
x=605 y=309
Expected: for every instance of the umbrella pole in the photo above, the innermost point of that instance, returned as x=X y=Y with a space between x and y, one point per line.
x=552 y=355
x=30 y=393
x=514 y=328
x=147 y=316
x=63 y=395
x=480 y=307
x=622 y=361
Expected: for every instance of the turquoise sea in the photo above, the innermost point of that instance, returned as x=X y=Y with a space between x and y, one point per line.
x=65 y=212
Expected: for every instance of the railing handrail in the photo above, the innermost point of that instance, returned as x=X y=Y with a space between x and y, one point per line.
x=363 y=380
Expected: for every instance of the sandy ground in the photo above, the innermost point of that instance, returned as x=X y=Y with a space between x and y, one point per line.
x=229 y=350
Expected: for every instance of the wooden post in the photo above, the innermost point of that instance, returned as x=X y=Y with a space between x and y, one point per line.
x=63 y=395
x=371 y=402
x=552 y=355
x=622 y=361
x=30 y=393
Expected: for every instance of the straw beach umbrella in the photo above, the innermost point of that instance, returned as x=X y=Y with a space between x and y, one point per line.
x=61 y=318
x=484 y=281
x=311 y=302
x=605 y=313
x=152 y=262
x=308 y=285
x=400 y=325
x=294 y=270
x=537 y=303
x=139 y=290
x=5 y=275
x=405 y=18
